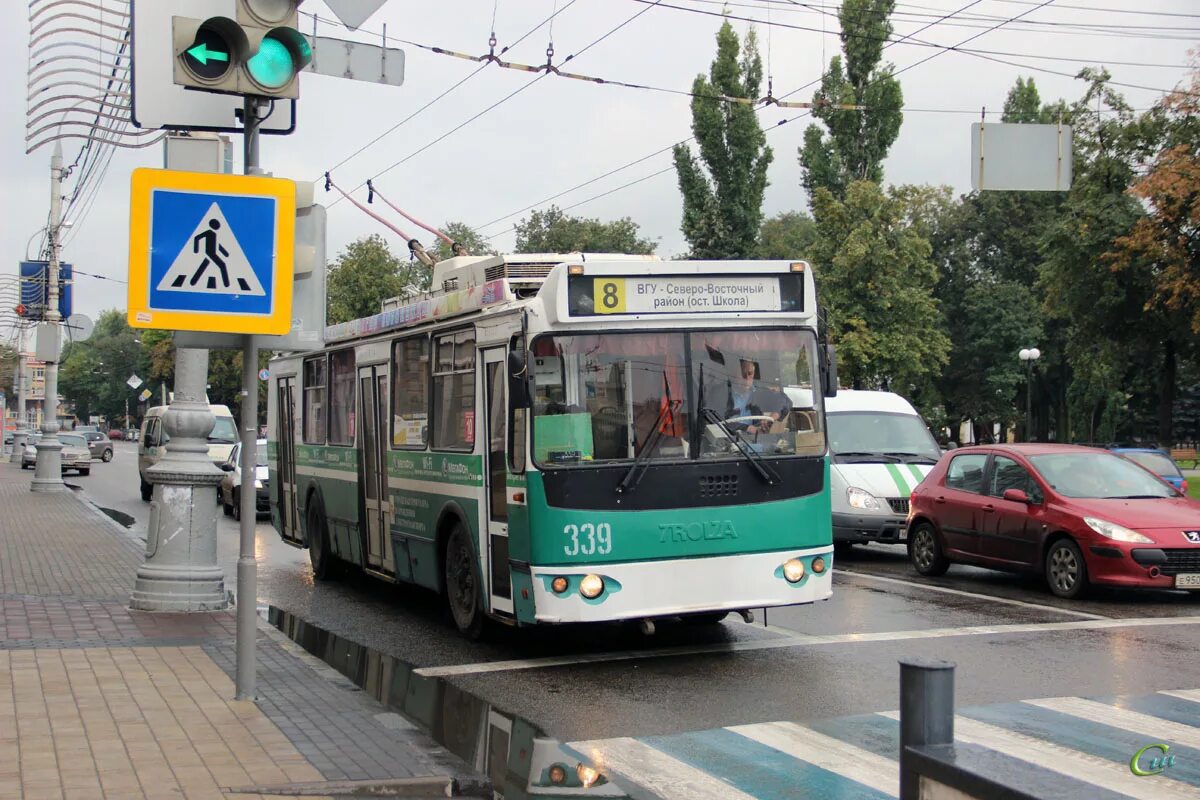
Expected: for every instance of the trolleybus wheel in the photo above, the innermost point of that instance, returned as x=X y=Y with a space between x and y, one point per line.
x=463 y=584
x=318 y=541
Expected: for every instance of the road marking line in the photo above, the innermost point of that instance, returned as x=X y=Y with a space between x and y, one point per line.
x=1185 y=694
x=1133 y=721
x=990 y=598
x=666 y=776
x=826 y=752
x=1072 y=763
x=796 y=641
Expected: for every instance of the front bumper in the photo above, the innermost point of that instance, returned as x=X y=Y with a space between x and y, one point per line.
x=1119 y=564
x=645 y=589
x=889 y=528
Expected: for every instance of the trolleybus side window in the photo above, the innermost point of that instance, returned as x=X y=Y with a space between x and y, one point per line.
x=410 y=395
x=341 y=400
x=454 y=391
x=314 y=400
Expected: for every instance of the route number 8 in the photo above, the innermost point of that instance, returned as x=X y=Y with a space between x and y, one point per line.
x=588 y=539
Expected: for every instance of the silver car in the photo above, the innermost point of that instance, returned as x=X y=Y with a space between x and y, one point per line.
x=99 y=445
x=229 y=493
x=75 y=453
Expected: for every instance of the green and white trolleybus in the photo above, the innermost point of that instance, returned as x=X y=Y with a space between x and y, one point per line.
x=568 y=438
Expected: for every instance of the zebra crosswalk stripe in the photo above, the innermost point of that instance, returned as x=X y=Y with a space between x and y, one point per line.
x=1153 y=727
x=662 y=774
x=846 y=760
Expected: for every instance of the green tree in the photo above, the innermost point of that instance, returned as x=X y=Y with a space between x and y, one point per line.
x=8 y=366
x=93 y=372
x=876 y=282
x=859 y=139
x=552 y=231
x=722 y=200
x=464 y=234
x=788 y=235
x=365 y=274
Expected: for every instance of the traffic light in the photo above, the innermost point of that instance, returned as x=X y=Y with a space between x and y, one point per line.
x=259 y=53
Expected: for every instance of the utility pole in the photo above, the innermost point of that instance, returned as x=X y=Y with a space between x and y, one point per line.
x=21 y=434
x=247 y=565
x=48 y=474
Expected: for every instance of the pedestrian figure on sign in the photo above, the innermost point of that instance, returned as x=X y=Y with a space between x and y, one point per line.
x=213 y=253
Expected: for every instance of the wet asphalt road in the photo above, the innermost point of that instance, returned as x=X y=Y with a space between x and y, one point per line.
x=1010 y=638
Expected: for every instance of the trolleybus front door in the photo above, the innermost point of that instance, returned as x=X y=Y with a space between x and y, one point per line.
x=372 y=447
x=496 y=470
x=285 y=455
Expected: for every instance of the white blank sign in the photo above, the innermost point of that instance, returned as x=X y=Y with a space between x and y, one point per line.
x=1017 y=157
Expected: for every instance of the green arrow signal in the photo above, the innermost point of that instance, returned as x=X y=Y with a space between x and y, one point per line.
x=202 y=54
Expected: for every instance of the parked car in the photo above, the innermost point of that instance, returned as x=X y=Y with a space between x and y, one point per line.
x=154 y=437
x=99 y=445
x=1078 y=515
x=1157 y=462
x=116 y=434
x=75 y=454
x=230 y=491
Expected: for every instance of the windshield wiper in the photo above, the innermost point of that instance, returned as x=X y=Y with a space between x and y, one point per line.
x=901 y=454
x=1139 y=497
x=888 y=458
x=633 y=477
x=763 y=469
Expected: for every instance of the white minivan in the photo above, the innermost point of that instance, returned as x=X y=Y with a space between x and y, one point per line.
x=879 y=450
x=153 y=439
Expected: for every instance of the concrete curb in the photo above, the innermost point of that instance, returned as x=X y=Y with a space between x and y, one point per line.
x=401 y=787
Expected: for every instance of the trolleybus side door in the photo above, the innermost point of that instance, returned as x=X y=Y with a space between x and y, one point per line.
x=285 y=431
x=372 y=444
x=496 y=477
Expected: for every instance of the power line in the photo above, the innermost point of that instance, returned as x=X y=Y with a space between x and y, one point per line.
x=420 y=110
x=622 y=168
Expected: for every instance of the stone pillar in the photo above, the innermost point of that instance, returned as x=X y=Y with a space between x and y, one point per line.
x=181 y=572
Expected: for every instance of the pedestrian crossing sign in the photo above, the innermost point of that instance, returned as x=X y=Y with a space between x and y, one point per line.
x=211 y=252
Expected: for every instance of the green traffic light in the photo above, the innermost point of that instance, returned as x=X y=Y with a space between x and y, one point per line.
x=272 y=66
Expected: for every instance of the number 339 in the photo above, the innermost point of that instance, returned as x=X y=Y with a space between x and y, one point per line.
x=588 y=539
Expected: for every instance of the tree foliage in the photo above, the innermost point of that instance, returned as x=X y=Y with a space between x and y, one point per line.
x=723 y=190
x=93 y=372
x=876 y=280
x=858 y=139
x=789 y=235
x=468 y=237
x=552 y=231
x=365 y=274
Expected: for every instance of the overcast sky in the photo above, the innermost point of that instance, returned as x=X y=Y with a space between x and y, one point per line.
x=561 y=133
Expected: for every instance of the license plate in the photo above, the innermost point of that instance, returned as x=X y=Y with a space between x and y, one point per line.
x=1189 y=581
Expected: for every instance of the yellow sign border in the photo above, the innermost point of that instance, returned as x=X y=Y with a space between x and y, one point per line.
x=143 y=184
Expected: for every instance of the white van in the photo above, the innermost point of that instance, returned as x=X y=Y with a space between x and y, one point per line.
x=879 y=450
x=153 y=439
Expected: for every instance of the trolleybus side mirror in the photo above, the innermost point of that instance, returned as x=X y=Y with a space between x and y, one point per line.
x=518 y=383
x=829 y=379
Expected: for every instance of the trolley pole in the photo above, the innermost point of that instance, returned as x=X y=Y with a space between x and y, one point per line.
x=247 y=565
x=48 y=472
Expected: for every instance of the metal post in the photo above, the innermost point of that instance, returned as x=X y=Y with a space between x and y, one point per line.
x=926 y=713
x=1029 y=400
x=247 y=565
x=48 y=473
x=21 y=433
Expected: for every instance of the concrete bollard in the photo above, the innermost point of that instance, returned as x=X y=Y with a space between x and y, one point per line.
x=926 y=713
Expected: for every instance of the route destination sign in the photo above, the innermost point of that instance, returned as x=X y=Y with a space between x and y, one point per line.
x=684 y=294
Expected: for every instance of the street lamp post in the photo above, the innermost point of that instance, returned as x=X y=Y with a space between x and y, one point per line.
x=1029 y=355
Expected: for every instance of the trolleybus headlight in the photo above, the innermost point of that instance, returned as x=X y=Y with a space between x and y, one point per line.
x=818 y=565
x=591 y=586
x=558 y=774
x=559 y=584
x=793 y=570
x=589 y=776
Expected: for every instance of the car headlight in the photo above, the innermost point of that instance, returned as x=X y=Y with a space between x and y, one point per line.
x=1118 y=533
x=860 y=498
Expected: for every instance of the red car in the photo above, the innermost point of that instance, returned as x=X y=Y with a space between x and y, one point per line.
x=1077 y=515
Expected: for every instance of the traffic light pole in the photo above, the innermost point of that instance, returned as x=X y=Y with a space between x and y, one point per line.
x=247 y=565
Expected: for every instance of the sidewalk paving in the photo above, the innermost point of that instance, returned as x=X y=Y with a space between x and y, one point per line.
x=98 y=701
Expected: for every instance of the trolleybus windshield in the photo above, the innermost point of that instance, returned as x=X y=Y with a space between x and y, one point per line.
x=616 y=396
